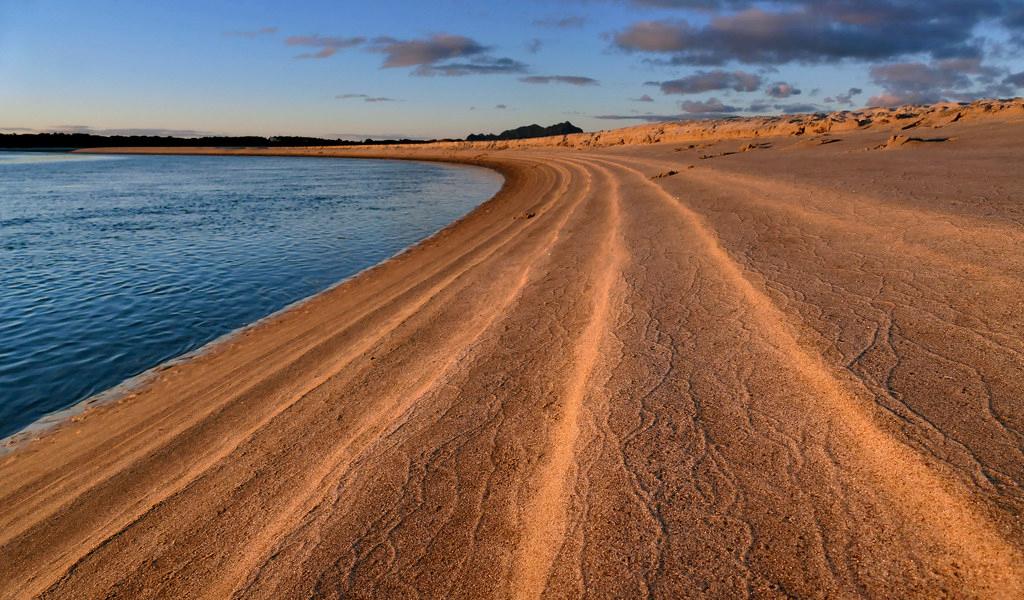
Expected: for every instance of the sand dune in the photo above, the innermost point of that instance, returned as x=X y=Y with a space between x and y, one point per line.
x=788 y=368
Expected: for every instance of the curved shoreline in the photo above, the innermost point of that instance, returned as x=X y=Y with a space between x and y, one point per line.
x=57 y=418
x=791 y=368
x=107 y=423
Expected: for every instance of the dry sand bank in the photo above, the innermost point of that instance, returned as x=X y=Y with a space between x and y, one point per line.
x=721 y=365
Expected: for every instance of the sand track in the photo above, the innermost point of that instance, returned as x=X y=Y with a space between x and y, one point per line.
x=734 y=381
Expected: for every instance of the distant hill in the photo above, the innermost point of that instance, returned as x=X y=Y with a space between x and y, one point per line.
x=526 y=132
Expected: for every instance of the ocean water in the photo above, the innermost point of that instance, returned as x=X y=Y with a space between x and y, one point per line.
x=111 y=265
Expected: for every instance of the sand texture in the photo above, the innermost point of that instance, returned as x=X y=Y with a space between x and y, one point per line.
x=693 y=363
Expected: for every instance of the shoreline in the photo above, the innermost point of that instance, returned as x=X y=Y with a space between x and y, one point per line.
x=60 y=417
x=728 y=368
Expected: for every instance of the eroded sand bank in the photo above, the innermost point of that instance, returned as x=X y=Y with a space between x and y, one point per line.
x=788 y=362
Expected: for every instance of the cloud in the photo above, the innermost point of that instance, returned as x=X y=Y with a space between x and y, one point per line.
x=412 y=53
x=655 y=118
x=569 y=79
x=644 y=98
x=781 y=89
x=444 y=54
x=924 y=83
x=709 y=106
x=763 y=106
x=17 y=130
x=845 y=98
x=366 y=98
x=328 y=46
x=140 y=131
x=812 y=32
x=1014 y=22
x=534 y=45
x=655 y=36
x=252 y=34
x=569 y=22
x=477 y=66
x=500 y=106
x=792 y=109
x=650 y=118
x=1016 y=80
x=706 y=81
x=890 y=99
x=917 y=77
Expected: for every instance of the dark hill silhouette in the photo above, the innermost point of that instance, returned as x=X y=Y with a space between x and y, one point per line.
x=526 y=132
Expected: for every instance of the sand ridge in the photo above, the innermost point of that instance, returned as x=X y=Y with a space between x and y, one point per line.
x=792 y=370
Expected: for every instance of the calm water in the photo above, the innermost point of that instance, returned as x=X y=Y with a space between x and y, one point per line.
x=110 y=265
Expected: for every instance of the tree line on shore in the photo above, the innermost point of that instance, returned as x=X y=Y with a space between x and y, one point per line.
x=62 y=140
x=89 y=140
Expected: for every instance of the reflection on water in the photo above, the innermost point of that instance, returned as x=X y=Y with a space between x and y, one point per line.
x=111 y=265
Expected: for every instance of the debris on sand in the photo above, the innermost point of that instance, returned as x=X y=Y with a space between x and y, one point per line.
x=664 y=174
x=707 y=156
x=818 y=140
x=897 y=141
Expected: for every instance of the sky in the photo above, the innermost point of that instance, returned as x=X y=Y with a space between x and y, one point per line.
x=446 y=68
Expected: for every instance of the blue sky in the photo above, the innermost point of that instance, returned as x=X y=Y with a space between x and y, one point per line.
x=451 y=67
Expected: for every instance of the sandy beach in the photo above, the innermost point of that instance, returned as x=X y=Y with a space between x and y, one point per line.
x=773 y=357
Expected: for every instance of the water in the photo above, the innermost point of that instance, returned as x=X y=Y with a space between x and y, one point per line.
x=110 y=265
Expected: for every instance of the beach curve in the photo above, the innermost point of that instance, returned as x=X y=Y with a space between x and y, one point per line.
x=605 y=379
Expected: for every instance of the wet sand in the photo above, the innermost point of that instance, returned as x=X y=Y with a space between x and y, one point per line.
x=664 y=368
